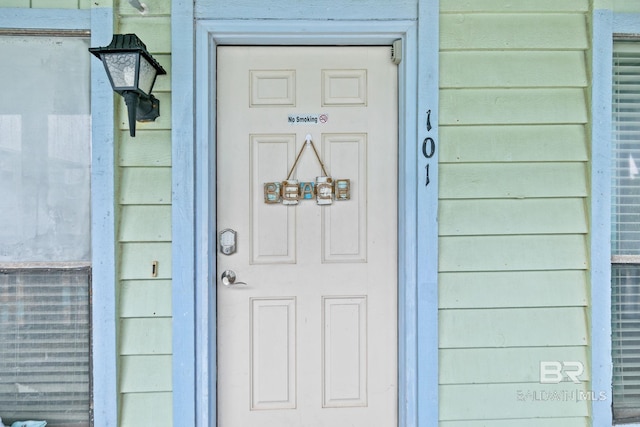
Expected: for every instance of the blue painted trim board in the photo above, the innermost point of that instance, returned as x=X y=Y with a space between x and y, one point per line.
x=100 y=22
x=426 y=238
x=41 y=19
x=105 y=373
x=625 y=23
x=190 y=231
x=601 y=364
x=408 y=372
x=605 y=25
x=186 y=402
x=361 y=10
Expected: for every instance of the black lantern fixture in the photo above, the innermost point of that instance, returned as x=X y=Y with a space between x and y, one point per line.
x=132 y=72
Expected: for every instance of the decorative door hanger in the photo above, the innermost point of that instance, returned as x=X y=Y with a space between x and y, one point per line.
x=325 y=189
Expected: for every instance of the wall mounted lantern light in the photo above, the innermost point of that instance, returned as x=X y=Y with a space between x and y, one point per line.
x=132 y=72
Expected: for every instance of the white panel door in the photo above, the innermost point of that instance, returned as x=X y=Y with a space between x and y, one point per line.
x=311 y=338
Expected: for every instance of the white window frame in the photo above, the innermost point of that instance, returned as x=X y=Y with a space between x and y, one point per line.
x=606 y=24
x=99 y=21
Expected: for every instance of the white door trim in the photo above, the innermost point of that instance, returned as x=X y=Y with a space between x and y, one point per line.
x=194 y=384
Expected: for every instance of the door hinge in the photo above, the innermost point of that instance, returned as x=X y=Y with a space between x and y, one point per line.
x=396 y=51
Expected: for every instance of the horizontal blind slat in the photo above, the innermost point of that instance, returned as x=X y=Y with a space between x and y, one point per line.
x=44 y=345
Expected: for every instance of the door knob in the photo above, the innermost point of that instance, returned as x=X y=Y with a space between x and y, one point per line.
x=229 y=277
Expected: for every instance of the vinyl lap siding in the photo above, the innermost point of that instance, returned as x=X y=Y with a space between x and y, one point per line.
x=48 y=4
x=620 y=6
x=144 y=237
x=513 y=222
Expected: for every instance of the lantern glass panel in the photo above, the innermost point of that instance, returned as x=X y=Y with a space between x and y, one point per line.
x=122 y=69
x=147 y=75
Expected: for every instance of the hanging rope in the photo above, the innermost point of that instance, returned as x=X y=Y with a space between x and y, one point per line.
x=307 y=142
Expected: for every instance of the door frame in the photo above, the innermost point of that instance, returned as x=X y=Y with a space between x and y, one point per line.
x=194 y=221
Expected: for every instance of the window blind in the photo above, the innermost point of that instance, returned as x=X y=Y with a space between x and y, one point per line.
x=44 y=346
x=625 y=232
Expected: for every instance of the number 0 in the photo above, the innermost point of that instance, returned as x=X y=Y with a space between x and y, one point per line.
x=428 y=153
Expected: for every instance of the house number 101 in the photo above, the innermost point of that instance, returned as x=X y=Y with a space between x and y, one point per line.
x=428 y=148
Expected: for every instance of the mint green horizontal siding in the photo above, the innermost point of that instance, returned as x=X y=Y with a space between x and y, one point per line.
x=625 y=6
x=513 y=253
x=149 y=148
x=513 y=143
x=512 y=180
x=17 y=3
x=145 y=374
x=531 y=422
x=532 y=327
x=512 y=106
x=145 y=185
x=153 y=29
x=513 y=225
x=146 y=409
x=500 y=401
x=124 y=9
x=58 y=4
x=145 y=298
x=512 y=216
x=145 y=223
x=145 y=336
x=513 y=69
x=138 y=258
x=510 y=289
x=468 y=31
x=514 y=6
x=503 y=365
